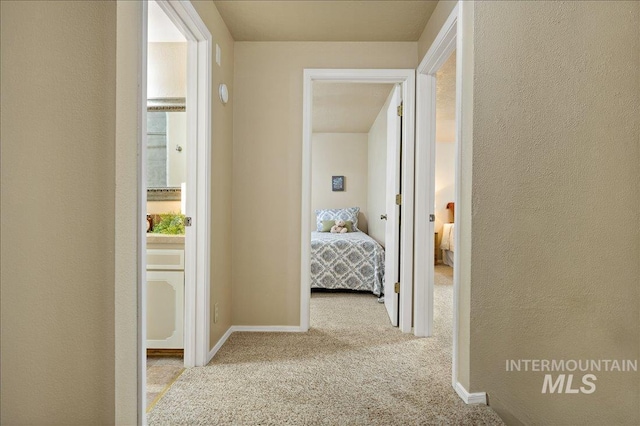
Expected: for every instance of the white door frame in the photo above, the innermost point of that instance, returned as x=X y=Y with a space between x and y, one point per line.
x=436 y=56
x=132 y=84
x=198 y=203
x=449 y=39
x=407 y=79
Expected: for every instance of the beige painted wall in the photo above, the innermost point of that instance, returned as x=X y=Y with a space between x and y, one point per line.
x=221 y=161
x=555 y=275
x=57 y=249
x=167 y=70
x=63 y=304
x=436 y=20
x=339 y=154
x=267 y=170
x=377 y=158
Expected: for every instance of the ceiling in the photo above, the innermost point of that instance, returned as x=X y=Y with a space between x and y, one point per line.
x=446 y=101
x=326 y=20
x=337 y=107
x=347 y=107
x=161 y=29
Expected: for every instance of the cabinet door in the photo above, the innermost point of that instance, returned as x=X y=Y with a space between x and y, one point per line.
x=165 y=309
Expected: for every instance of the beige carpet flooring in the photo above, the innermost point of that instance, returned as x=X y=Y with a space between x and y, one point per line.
x=351 y=368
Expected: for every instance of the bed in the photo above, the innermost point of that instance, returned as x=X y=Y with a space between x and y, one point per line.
x=351 y=261
x=447 y=244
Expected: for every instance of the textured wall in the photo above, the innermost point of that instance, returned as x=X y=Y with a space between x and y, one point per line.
x=221 y=160
x=58 y=179
x=556 y=162
x=267 y=168
x=339 y=154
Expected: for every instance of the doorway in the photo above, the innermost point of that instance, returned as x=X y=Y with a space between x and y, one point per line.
x=194 y=258
x=166 y=165
x=400 y=312
x=355 y=177
x=454 y=35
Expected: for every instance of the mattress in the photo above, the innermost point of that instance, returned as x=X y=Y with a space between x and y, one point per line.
x=351 y=261
x=447 y=245
x=447 y=257
x=448 y=237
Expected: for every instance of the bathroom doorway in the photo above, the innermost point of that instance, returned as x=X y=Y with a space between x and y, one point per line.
x=166 y=151
x=175 y=180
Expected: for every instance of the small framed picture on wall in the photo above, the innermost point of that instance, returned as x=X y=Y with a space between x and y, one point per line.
x=337 y=183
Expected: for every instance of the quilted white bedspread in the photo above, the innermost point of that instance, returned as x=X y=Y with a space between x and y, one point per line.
x=353 y=261
x=448 y=237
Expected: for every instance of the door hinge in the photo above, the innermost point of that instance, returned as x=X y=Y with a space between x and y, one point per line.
x=432 y=218
x=188 y=221
x=400 y=111
x=396 y=287
x=399 y=199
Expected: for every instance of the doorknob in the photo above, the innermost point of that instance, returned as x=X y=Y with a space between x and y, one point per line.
x=383 y=217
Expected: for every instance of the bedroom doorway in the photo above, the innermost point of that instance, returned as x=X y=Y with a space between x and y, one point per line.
x=444 y=184
x=452 y=39
x=355 y=149
x=455 y=35
x=436 y=204
x=444 y=187
x=357 y=167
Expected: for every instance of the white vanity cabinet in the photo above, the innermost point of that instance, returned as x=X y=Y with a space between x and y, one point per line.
x=165 y=298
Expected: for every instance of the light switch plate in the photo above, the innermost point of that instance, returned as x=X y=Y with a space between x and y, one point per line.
x=215 y=313
x=218 y=54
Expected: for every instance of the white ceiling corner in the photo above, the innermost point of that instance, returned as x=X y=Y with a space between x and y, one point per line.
x=161 y=29
x=347 y=107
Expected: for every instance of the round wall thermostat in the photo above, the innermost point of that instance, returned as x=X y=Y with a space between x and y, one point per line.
x=224 y=93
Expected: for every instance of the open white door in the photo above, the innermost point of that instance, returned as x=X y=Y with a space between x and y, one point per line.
x=392 y=231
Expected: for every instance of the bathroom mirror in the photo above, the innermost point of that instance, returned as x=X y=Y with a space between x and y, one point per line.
x=166 y=148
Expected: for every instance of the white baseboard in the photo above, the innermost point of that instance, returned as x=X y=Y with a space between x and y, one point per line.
x=219 y=344
x=268 y=328
x=470 y=398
